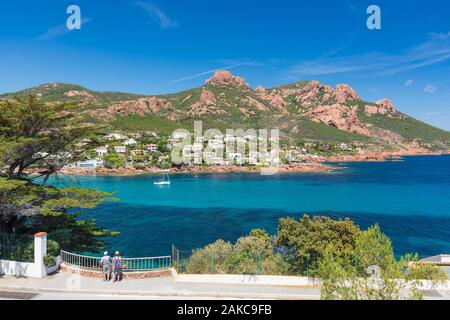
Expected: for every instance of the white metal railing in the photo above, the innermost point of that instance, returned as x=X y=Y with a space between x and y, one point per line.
x=128 y=264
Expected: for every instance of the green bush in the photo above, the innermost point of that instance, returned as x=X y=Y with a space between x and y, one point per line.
x=201 y=259
x=21 y=251
x=370 y=271
x=49 y=261
x=252 y=254
x=52 y=248
x=53 y=251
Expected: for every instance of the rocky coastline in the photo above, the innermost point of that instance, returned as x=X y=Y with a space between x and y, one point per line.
x=315 y=166
x=299 y=168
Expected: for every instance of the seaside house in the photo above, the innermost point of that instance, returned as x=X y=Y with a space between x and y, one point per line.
x=343 y=146
x=197 y=152
x=252 y=158
x=274 y=160
x=136 y=152
x=90 y=164
x=135 y=135
x=440 y=260
x=197 y=147
x=148 y=133
x=172 y=142
x=130 y=142
x=187 y=153
x=197 y=157
x=229 y=138
x=235 y=157
x=187 y=150
x=264 y=158
x=101 y=151
x=218 y=136
x=120 y=149
x=163 y=158
x=296 y=153
x=60 y=156
x=116 y=136
x=39 y=155
x=193 y=153
x=152 y=148
x=208 y=156
x=218 y=161
x=240 y=140
x=215 y=143
x=180 y=135
x=83 y=142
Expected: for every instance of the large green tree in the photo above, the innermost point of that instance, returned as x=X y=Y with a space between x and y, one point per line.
x=36 y=141
x=40 y=136
x=305 y=239
x=370 y=271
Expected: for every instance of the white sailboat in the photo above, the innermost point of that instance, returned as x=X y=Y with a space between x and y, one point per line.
x=164 y=180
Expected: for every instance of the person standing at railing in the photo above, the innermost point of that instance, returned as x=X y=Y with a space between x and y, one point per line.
x=104 y=263
x=117 y=266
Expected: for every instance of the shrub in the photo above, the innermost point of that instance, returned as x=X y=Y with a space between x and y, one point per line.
x=49 y=261
x=201 y=259
x=252 y=254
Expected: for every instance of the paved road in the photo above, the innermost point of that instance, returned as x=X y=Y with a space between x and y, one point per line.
x=71 y=286
x=17 y=295
x=65 y=286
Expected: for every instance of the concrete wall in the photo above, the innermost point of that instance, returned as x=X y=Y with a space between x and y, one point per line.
x=94 y=273
x=56 y=267
x=34 y=269
x=248 y=279
x=19 y=269
x=285 y=281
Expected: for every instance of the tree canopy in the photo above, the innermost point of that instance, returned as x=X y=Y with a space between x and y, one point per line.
x=370 y=271
x=36 y=141
x=305 y=239
x=41 y=136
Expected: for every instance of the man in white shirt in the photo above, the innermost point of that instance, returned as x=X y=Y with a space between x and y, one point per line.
x=104 y=262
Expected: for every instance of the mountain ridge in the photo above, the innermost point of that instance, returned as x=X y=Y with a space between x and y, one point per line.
x=306 y=110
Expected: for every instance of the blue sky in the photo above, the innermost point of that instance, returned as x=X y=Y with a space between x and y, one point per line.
x=163 y=46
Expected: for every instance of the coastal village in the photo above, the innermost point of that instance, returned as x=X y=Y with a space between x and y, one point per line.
x=150 y=151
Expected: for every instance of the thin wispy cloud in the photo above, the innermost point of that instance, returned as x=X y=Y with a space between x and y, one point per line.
x=59 y=30
x=229 y=64
x=157 y=15
x=241 y=62
x=204 y=73
x=435 y=113
x=430 y=89
x=409 y=83
x=433 y=51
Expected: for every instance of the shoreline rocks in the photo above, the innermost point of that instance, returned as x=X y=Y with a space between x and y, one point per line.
x=317 y=166
x=307 y=167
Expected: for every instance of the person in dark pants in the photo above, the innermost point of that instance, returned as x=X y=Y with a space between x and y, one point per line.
x=117 y=266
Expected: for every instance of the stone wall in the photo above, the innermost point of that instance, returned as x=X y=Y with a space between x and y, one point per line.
x=126 y=275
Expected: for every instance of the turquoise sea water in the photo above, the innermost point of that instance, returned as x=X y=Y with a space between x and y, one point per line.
x=410 y=199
